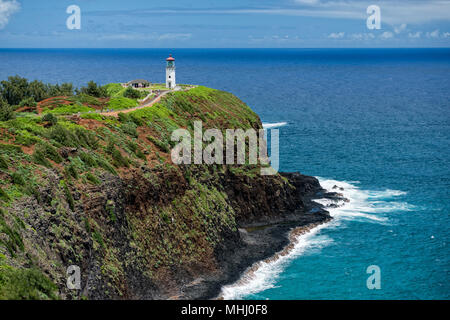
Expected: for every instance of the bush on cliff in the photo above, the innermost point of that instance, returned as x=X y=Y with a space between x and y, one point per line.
x=28 y=102
x=6 y=111
x=131 y=93
x=93 y=89
x=25 y=284
x=16 y=89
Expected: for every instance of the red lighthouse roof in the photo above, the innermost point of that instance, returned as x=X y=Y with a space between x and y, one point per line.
x=170 y=58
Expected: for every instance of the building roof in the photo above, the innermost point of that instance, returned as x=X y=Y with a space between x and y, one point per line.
x=138 y=81
x=170 y=58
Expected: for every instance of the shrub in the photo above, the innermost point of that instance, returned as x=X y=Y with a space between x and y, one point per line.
x=72 y=171
x=73 y=137
x=124 y=117
x=86 y=99
x=10 y=238
x=105 y=165
x=39 y=158
x=6 y=111
x=140 y=154
x=10 y=148
x=110 y=208
x=119 y=160
x=92 y=178
x=98 y=237
x=88 y=159
x=134 y=147
x=160 y=144
x=130 y=128
x=131 y=93
x=94 y=90
x=49 y=152
x=48 y=117
x=17 y=179
x=86 y=138
x=3 y=163
x=64 y=136
x=3 y=195
x=33 y=190
x=165 y=217
x=69 y=196
x=27 y=102
x=25 y=284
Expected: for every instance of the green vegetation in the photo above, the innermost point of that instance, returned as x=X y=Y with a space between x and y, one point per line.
x=48 y=117
x=6 y=111
x=17 y=89
x=114 y=90
x=69 y=109
x=94 y=90
x=120 y=103
x=131 y=93
x=28 y=102
x=73 y=181
x=25 y=284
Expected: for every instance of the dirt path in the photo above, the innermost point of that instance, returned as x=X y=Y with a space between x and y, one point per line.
x=115 y=113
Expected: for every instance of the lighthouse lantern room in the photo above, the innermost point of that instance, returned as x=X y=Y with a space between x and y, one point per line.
x=170 y=73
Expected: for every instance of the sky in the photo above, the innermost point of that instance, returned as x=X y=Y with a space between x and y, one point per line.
x=224 y=24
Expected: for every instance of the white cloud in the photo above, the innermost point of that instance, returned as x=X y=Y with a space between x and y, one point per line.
x=362 y=36
x=387 y=35
x=275 y=39
x=400 y=28
x=175 y=36
x=446 y=34
x=392 y=12
x=415 y=35
x=147 y=37
x=7 y=8
x=338 y=35
x=308 y=2
x=433 y=34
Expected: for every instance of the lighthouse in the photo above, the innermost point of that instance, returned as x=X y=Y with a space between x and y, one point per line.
x=170 y=73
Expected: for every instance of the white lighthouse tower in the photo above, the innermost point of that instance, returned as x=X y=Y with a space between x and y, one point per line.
x=170 y=73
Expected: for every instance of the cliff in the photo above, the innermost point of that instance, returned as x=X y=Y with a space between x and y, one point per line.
x=102 y=193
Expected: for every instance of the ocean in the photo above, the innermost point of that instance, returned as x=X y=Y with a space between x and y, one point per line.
x=375 y=122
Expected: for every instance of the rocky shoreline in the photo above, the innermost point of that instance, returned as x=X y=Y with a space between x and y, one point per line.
x=265 y=240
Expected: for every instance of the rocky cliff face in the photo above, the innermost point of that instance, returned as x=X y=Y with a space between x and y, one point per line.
x=104 y=195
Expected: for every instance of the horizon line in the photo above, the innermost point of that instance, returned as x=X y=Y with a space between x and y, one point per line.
x=211 y=48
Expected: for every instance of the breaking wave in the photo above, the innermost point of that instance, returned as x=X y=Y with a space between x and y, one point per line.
x=274 y=125
x=363 y=205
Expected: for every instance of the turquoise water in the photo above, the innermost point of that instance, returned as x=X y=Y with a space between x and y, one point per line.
x=376 y=122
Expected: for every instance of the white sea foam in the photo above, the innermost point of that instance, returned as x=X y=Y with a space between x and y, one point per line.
x=364 y=205
x=273 y=125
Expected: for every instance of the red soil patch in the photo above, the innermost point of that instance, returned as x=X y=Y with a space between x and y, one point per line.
x=28 y=150
x=26 y=109
x=52 y=101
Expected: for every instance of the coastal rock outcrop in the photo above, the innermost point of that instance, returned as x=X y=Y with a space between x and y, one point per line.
x=104 y=196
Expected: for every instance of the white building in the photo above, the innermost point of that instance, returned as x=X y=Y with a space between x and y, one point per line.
x=170 y=73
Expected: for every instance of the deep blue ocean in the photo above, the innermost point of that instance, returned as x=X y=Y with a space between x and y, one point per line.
x=373 y=121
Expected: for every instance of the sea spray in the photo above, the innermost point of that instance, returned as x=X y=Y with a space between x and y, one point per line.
x=364 y=205
x=273 y=125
